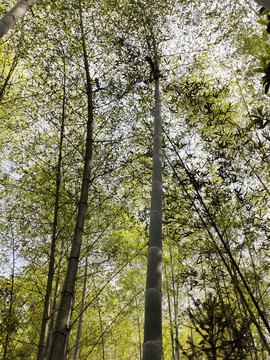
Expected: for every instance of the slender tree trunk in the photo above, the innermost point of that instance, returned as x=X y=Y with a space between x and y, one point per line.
x=5 y=85
x=102 y=333
x=175 y=306
x=49 y=287
x=139 y=332
x=54 y=307
x=139 y=338
x=152 y=347
x=16 y=13
x=170 y=312
x=60 y=335
x=79 y=331
x=11 y=301
x=257 y=286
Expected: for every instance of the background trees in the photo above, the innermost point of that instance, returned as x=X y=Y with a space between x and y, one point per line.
x=215 y=171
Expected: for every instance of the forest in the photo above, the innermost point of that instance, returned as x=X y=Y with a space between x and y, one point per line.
x=134 y=167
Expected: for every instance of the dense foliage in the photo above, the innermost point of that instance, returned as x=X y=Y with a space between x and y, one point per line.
x=214 y=65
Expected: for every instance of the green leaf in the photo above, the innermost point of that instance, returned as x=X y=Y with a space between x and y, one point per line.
x=263 y=22
x=251 y=124
x=260 y=109
x=264 y=11
x=259 y=70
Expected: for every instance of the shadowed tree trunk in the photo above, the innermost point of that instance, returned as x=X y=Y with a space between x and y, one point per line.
x=170 y=312
x=139 y=332
x=152 y=347
x=54 y=305
x=102 y=333
x=16 y=13
x=48 y=297
x=79 y=331
x=60 y=336
x=175 y=306
x=11 y=303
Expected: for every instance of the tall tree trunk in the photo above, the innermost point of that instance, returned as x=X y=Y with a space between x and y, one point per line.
x=48 y=297
x=16 y=13
x=11 y=302
x=54 y=306
x=152 y=347
x=102 y=333
x=79 y=331
x=60 y=335
x=175 y=306
x=170 y=312
x=139 y=332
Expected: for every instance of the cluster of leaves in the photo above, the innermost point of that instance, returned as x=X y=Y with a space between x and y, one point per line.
x=220 y=333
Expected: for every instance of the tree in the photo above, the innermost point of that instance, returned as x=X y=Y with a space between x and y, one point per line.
x=222 y=333
x=44 y=333
x=153 y=321
x=60 y=336
x=215 y=174
x=16 y=13
x=152 y=348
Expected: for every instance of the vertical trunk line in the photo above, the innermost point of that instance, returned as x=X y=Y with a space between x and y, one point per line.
x=79 y=331
x=152 y=347
x=175 y=305
x=11 y=301
x=49 y=288
x=60 y=336
x=54 y=305
x=102 y=333
x=139 y=331
x=170 y=311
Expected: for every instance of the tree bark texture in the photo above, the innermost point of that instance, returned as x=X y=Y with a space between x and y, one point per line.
x=16 y=13
x=152 y=347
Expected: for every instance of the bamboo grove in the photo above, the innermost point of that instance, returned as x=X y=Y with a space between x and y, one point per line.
x=134 y=172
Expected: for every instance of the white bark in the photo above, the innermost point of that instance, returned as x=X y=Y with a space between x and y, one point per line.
x=16 y=13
